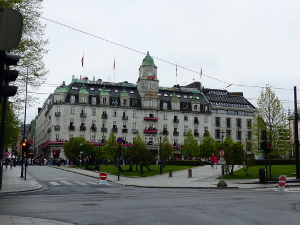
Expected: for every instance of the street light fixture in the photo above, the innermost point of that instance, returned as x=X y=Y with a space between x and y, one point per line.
x=160 y=159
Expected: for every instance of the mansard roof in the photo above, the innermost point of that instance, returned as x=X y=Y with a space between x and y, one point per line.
x=224 y=98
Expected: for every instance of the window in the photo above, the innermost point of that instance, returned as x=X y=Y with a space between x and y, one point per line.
x=57 y=136
x=72 y=99
x=58 y=108
x=217 y=134
x=104 y=100
x=93 y=111
x=94 y=100
x=206 y=119
x=165 y=105
x=228 y=122
x=134 y=114
x=195 y=107
x=186 y=128
x=186 y=117
x=165 y=116
x=72 y=110
x=83 y=110
x=175 y=105
x=83 y=98
x=238 y=123
x=249 y=124
x=124 y=102
x=114 y=112
x=239 y=135
x=217 y=121
x=134 y=126
x=150 y=102
x=71 y=136
x=57 y=121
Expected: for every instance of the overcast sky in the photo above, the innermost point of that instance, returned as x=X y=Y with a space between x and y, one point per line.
x=247 y=44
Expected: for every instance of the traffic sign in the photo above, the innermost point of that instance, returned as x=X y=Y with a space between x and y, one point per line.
x=102 y=178
x=120 y=140
x=281 y=183
x=221 y=152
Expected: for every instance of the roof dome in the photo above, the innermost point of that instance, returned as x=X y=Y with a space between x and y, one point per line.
x=148 y=61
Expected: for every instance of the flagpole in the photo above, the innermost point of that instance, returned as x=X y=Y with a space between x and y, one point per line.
x=114 y=67
x=176 y=74
x=82 y=64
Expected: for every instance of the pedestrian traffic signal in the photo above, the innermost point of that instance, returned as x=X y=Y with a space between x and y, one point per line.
x=6 y=75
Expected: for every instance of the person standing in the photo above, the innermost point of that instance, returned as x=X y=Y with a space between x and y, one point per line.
x=11 y=163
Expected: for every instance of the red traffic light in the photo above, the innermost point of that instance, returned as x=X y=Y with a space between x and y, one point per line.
x=24 y=144
x=268 y=145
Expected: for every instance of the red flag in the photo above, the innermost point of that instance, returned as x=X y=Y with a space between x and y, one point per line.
x=176 y=70
x=82 y=60
x=114 y=67
x=201 y=74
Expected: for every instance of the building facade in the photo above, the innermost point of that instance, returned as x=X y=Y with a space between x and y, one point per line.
x=93 y=109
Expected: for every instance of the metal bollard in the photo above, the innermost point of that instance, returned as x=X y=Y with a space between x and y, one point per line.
x=170 y=172
x=189 y=173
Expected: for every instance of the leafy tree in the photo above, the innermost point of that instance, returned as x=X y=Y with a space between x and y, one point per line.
x=166 y=148
x=234 y=153
x=31 y=48
x=139 y=154
x=110 y=148
x=271 y=117
x=75 y=145
x=190 y=145
x=12 y=127
x=207 y=146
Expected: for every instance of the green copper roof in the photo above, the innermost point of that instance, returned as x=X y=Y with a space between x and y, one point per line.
x=124 y=93
x=104 y=92
x=62 y=88
x=83 y=90
x=148 y=61
x=174 y=98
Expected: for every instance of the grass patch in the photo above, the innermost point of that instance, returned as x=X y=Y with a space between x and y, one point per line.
x=276 y=171
x=146 y=173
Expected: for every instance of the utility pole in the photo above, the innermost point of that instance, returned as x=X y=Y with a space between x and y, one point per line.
x=296 y=136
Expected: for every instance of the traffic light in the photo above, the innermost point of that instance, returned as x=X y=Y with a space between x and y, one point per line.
x=24 y=147
x=268 y=147
x=6 y=75
x=263 y=146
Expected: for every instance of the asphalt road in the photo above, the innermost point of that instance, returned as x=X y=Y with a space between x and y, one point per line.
x=80 y=200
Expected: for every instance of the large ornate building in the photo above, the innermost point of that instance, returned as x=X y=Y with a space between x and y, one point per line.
x=92 y=109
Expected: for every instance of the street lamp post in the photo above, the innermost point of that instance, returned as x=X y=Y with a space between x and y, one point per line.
x=160 y=159
x=200 y=150
x=99 y=156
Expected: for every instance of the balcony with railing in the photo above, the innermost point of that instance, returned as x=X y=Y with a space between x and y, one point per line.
x=71 y=127
x=196 y=133
x=57 y=114
x=165 y=132
x=83 y=115
x=175 y=120
x=104 y=116
x=150 y=118
x=103 y=129
x=114 y=129
x=93 y=128
x=124 y=117
x=57 y=127
x=134 y=131
x=82 y=128
x=124 y=130
x=150 y=130
x=176 y=133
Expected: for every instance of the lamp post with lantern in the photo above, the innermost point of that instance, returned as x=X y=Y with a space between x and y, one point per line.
x=159 y=156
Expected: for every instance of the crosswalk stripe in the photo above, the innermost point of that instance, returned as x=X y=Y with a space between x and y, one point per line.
x=90 y=182
x=54 y=183
x=66 y=182
x=79 y=182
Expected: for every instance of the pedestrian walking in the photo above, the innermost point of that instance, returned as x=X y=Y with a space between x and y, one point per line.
x=215 y=162
x=212 y=160
x=11 y=163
